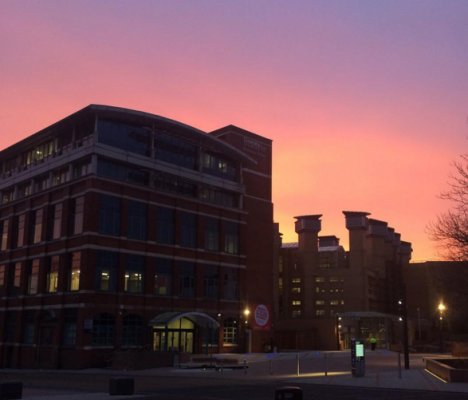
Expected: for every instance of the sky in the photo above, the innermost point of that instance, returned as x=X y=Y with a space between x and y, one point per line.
x=366 y=101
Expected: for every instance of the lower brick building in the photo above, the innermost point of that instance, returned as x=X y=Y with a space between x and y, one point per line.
x=124 y=230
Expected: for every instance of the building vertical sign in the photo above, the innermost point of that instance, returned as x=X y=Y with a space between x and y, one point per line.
x=261 y=317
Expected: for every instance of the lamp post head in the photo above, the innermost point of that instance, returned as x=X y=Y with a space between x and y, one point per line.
x=441 y=307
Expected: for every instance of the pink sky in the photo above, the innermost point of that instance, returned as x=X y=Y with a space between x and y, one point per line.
x=366 y=101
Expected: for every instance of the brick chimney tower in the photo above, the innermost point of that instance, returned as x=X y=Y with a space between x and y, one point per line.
x=357 y=223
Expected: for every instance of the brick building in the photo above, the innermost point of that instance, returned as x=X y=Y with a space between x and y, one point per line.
x=126 y=230
x=319 y=282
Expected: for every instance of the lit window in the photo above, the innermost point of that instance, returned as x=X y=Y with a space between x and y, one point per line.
x=296 y=280
x=296 y=302
x=334 y=302
x=319 y=279
x=296 y=290
x=296 y=313
x=319 y=313
x=320 y=302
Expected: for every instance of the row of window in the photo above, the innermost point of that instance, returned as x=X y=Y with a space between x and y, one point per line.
x=36 y=222
x=332 y=302
x=107 y=273
x=110 y=211
x=167 y=148
x=333 y=279
x=166 y=183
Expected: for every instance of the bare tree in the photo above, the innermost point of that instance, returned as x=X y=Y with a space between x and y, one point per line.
x=450 y=230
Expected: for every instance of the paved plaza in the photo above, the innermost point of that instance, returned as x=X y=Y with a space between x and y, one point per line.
x=327 y=372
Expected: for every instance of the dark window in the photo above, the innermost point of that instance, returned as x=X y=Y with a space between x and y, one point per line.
x=169 y=184
x=109 y=215
x=137 y=217
x=77 y=215
x=122 y=173
x=175 y=151
x=2 y=279
x=28 y=327
x=213 y=336
x=15 y=279
x=10 y=327
x=230 y=331
x=4 y=232
x=187 y=279
x=211 y=282
x=82 y=169
x=125 y=137
x=231 y=283
x=218 y=166
x=74 y=271
x=33 y=276
x=103 y=330
x=18 y=230
x=36 y=226
x=231 y=238
x=60 y=177
x=165 y=226
x=69 y=326
x=134 y=273
x=55 y=225
x=107 y=270
x=163 y=277
x=188 y=230
x=217 y=196
x=211 y=234
x=52 y=273
x=132 y=330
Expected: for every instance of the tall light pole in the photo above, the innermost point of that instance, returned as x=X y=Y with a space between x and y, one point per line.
x=419 y=323
x=338 y=330
x=441 y=322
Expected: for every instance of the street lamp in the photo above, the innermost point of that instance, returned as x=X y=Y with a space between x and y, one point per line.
x=441 y=322
x=338 y=329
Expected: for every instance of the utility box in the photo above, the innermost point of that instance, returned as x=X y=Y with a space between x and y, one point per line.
x=121 y=386
x=288 y=393
x=11 y=390
x=358 y=359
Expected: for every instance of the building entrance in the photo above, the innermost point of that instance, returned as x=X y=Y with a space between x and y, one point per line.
x=179 y=336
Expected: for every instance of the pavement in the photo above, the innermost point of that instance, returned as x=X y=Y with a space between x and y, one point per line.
x=315 y=368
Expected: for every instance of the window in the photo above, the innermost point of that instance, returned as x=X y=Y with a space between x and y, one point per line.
x=342 y=302
x=36 y=227
x=211 y=234
x=231 y=238
x=319 y=313
x=334 y=302
x=175 y=151
x=55 y=225
x=132 y=329
x=165 y=225
x=107 y=270
x=169 y=184
x=296 y=302
x=187 y=279
x=320 y=302
x=231 y=283
x=60 y=177
x=52 y=273
x=296 y=313
x=218 y=196
x=42 y=183
x=280 y=285
x=230 y=331
x=28 y=327
x=163 y=277
x=319 y=279
x=137 y=217
x=24 y=190
x=18 y=230
x=74 y=271
x=69 y=326
x=123 y=173
x=296 y=290
x=296 y=280
x=134 y=270
x=218 y=166
x=211 y=282
x=4 y=232
x=8 y=196
x=280 y=264
x=10 y=327
x=103 y=330
x=188 y=230
x=2 y=279
x=334 y=279
x=124 y=136
x=77 y=215
x=317 y=289
x=82 y=169
x=109 y=215
x=213 y=336
x=15 y=279
x=33 y=276
x=325 y=265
